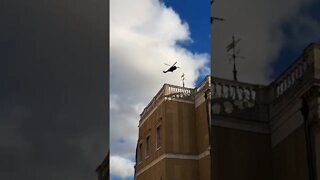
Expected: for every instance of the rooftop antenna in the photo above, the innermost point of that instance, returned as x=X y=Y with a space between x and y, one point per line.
x=183 y=78
x=234 y=55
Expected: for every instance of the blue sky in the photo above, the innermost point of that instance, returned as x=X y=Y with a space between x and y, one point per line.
x=273 y=34
x=274 y=43
x=197 y=15
x=151 y=51
x=295 y=45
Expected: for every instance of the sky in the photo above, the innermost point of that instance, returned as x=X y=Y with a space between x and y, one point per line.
x=144 y=35
x=54 y=89
x=54 y=95
x=273 y=34
x=197 y=15
x=147 y=33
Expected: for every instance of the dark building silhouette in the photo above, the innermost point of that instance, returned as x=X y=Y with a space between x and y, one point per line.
x=103 y=169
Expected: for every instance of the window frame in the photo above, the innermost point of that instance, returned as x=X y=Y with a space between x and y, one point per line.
x=147 y=149
x=158 y=137
x=140 y=155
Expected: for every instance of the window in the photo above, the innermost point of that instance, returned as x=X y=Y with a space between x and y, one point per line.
x=140 y=152
x=158 y=140
x=147 y=146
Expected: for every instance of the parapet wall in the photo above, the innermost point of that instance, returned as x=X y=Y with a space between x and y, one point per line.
x=264 y=103
x=264 y=127
x=175 y=93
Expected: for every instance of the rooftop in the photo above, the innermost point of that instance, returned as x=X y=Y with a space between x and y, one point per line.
x=245 y=95
x=173 y=92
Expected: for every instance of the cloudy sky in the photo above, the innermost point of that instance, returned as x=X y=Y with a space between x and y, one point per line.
x=53 y=93
x=144 y=35
x=147 y=33
x=273 y=34
x=54 y=76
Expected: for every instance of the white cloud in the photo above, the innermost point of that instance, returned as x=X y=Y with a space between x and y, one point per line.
x=259 y=24
x=144 y=36
x=121 y=167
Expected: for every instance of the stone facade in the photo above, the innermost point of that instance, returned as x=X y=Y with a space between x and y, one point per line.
x=265 y=132
x=173 y=138
x=269 y=132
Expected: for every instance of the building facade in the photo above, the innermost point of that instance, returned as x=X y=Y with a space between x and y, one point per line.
x=269 y=132
x=233 y=130
x=173 y=138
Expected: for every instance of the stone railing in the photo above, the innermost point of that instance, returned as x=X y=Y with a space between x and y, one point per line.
x=153 y=103
x=290 y=77
x=233 y=90
x=174 y=92
x=302 y=72
x=204 y=85
x=236 y=99
x=168 y=92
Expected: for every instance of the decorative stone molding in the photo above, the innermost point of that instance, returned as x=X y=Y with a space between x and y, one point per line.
x=170 y=92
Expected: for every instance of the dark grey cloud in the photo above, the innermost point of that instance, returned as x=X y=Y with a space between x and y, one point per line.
x=54 y=94
x=262 y=27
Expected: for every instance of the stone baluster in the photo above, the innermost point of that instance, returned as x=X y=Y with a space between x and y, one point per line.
x=214 y=90
x=234 y=96
x=289 y=80
x=293 y=79
x=300 y=70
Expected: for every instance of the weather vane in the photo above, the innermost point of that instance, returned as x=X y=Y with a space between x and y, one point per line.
x=172 y=67
x=234 y=55
x=183 y=78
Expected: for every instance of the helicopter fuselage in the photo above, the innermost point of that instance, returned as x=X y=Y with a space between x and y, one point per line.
x=172 y=68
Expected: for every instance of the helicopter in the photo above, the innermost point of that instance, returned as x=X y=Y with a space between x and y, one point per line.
x=172 y=68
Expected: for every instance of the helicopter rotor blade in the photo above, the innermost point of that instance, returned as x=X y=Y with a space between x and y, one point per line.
x=174 y=63
x=167 y=64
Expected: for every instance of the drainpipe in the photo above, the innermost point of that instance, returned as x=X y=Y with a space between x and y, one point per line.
x=305 y=112
x=208 y=102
